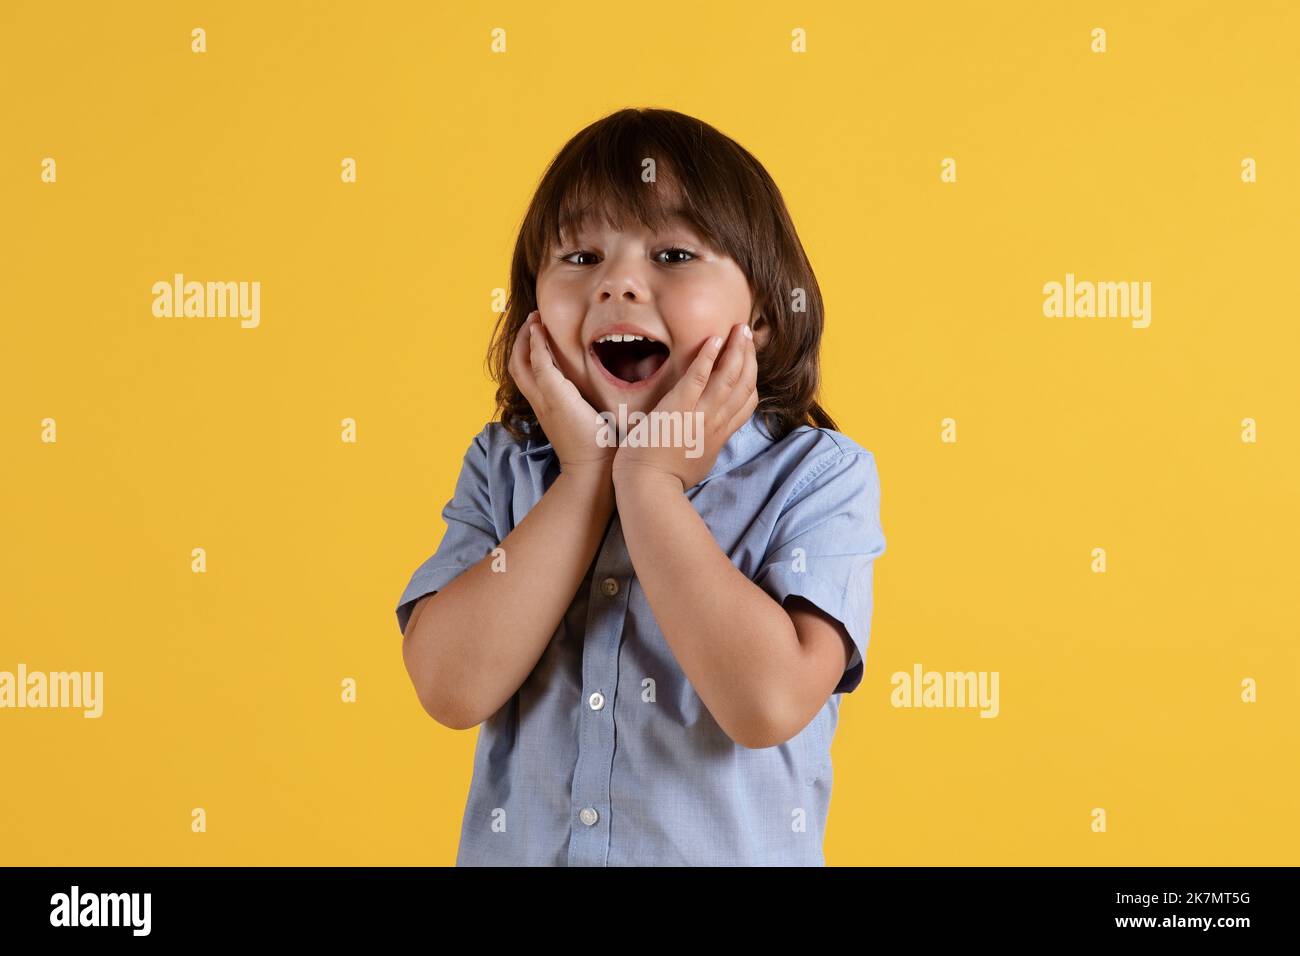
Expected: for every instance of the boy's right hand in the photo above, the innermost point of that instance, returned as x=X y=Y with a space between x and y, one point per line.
x=568 y=419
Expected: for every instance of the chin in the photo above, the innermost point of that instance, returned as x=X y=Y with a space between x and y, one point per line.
x=603 y=397
x=638 y=404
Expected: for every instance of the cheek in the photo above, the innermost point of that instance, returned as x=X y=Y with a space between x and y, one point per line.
x=568 y=353
x=563 y=321
x=710 y=306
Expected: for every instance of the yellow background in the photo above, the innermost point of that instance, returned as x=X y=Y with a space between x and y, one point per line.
x=222 y=690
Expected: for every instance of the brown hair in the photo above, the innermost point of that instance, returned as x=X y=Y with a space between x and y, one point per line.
x=726 y=194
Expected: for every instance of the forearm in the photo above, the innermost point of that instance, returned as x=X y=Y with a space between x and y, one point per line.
x=736 y=645
x=469 y=647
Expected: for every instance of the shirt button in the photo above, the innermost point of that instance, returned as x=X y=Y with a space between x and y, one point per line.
x=597 y=700
x=609 y=586
x=588 y=816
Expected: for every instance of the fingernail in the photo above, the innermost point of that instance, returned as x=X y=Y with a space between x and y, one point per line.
x=717 y=341
x=749 y=333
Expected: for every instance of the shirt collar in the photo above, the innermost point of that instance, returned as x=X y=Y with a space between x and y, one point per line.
x=745 y=442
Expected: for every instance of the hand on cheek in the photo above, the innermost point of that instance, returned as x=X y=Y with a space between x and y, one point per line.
x=570 y=422
x=679 y=440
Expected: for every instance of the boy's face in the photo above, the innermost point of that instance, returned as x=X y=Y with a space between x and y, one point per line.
x=603 y=277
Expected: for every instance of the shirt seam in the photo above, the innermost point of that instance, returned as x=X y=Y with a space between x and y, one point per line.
x=818 y=468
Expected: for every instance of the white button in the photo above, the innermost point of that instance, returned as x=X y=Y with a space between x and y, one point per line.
x=588 y=816
x=597 y=700
x=609 y=586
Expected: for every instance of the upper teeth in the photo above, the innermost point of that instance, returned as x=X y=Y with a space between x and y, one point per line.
x=616 y=337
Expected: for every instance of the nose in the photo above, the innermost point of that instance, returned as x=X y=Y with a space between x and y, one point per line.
x=623 y=280
x=618 y=290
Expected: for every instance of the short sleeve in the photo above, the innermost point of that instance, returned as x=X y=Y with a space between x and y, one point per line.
x=824 y=545
x=470 y=535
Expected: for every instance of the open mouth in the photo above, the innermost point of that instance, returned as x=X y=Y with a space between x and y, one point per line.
x=630 y=358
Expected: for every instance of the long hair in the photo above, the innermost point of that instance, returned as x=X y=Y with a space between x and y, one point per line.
x=727 y=195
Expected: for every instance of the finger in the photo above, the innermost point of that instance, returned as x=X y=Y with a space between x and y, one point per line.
x=746 y=376
x=550 y=380
x=726 y=373
x=520 y=368
x=519 y=346
x=743 y=414
x=696 y=376
x=518 y=349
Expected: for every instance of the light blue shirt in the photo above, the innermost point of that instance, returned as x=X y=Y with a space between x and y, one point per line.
x=606 y=756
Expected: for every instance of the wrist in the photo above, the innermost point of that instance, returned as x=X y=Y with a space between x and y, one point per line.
x=639 y=480
x=594 y=470
x=592 y=478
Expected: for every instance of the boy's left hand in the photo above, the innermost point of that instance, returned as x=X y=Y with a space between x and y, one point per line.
x=726 y=394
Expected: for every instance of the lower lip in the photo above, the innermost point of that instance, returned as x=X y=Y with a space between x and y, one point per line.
x=618 y=382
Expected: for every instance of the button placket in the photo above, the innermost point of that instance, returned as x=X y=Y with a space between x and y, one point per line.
x=606 y=617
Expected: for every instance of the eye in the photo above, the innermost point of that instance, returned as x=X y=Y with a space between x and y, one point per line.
x=568 y=257
x=680 y=249
x=576 y=252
